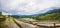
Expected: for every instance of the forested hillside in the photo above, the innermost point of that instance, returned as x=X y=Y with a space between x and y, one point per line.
x=50 y=15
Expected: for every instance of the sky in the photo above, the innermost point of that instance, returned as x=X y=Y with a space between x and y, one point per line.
x=27 y=7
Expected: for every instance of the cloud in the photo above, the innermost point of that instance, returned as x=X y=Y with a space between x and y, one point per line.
x=28 y=7
x=6 y=13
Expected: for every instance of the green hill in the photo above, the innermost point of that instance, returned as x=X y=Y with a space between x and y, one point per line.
x=53 y=15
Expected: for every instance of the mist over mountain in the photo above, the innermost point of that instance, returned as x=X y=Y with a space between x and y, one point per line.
x=53 y=11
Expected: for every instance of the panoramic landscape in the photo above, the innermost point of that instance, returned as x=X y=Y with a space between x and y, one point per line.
x=30 y=14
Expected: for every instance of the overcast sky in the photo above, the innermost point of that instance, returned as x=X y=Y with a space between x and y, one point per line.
x=27 y=7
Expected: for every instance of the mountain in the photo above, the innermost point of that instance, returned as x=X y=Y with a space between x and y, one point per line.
x=49 y=15
x=53 y=11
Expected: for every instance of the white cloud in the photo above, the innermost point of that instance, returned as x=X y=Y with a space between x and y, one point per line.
x=28 y=6
x=3 y=13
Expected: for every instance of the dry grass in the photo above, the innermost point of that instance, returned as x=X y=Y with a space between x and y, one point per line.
x=3 y=25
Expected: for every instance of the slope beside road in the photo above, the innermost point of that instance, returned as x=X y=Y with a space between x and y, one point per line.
x=10 y=23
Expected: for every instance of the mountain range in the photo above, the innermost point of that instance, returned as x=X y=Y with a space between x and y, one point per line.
x=51 y=14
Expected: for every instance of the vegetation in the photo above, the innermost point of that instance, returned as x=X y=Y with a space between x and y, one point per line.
x=2 y=21
x=52 y=15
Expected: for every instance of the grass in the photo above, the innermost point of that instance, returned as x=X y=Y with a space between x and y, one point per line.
x=3 y=25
